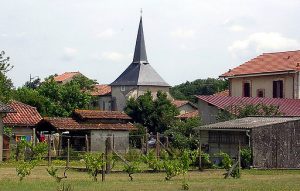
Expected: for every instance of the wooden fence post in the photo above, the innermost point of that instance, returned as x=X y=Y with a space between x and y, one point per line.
x=34 y=136
x=239 y=155
x=49 y=150
x=108 y=151
x=167 y=142
x=103 y=168
x=68 y=153
x=157 y=145
x=87 y=143
x=113 y=141
x=200 y=152
x=147 y=139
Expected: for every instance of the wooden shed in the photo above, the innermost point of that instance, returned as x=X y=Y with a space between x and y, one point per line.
x=274 y=141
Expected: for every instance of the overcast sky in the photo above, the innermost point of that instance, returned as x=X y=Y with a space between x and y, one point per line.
x=185 y=40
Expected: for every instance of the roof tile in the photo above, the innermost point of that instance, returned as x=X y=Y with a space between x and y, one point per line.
x=25 y=115
x=97 y=114
x=268 y=63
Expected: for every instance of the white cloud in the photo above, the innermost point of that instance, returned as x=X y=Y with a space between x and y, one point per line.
x=236 y=28
x=113 y=56
x=183 y=33
x=258 y=43
x=69 y=53
x=106 y=33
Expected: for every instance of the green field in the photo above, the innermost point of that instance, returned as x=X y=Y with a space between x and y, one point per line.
x=207 y=180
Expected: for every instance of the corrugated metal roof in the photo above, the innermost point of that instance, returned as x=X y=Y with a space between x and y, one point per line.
x=287 y=107
x=248 y=123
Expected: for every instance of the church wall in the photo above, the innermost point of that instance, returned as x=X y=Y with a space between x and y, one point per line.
x=120 y=97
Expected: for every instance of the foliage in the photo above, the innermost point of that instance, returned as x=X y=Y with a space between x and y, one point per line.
x=172 y=168
x=182 y=133
x=33 y=84
x=94 y=163
x=64 y=187
x=7 y=131
x=205 y=160
x=135 y=136
x=133 y=155
x=153 y=162
x=188 y=90
x=53 y=99
x=226 y=161
x=52 y=171
x=6 y=84
x=24 y=168
x=156 y=114
x=241 y=111
x=27 y=151
x=132 y=168
x=246 y=158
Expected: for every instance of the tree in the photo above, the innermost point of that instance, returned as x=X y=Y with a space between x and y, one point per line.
x=209 y=86
x=33 y=84
x=155 y=114
x=182 y=133
x=241 y=111
x=6 y=84
x=53 y=99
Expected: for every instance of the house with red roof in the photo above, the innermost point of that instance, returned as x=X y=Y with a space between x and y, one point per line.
x=96 y=125
x=66 y=77
x=186 y=109
x=272 y=75
x=22 y=120
x=102 y=97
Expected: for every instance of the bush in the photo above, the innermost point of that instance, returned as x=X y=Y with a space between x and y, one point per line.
x=226 y=161
x=153 y=162
x=133 y=155
x=132 y=168
x=24 y=168
x=94 y=163
x=246 y=158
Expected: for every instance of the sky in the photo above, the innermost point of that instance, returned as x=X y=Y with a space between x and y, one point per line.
x=185 y=39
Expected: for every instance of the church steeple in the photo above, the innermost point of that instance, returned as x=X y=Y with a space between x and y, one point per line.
x=140 y=55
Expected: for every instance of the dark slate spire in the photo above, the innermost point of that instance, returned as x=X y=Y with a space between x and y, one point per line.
x=140 y=55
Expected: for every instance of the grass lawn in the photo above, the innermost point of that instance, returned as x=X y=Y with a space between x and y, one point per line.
x=207 y=180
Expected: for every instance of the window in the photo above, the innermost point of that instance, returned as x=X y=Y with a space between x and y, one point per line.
x=123 y=88
x=278 y=89
x=260 y=93
x=246 y=89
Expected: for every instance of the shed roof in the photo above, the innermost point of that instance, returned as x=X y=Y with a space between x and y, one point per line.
x=25 y=115
x=69 y=124
x=98 y=114
x=248 y=123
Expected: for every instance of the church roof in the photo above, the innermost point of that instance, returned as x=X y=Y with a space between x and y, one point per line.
x=140 y=72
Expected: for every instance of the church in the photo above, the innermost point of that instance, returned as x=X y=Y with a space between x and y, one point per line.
x=138 y=78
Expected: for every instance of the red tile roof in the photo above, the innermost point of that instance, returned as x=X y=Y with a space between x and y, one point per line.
x=101 y=90
x=288 y=107
x=179 y=103
x=25 y=115
x=222 y=93
x=188 y=115
x=65 y=76
x=70 y=124
x=268 y=63
x=97 y=114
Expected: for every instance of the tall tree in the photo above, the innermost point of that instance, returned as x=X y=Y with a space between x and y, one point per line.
x=156 y=114
x=209 y=86
x=6 y=84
